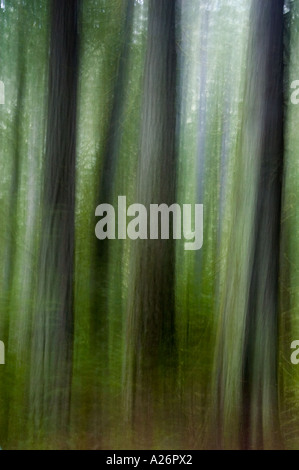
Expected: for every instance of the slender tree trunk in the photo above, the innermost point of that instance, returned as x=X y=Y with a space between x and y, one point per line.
x=260 y=385
x=202 y=113
x=108 y=170
x=11 y=245
x=101 y=262
x=246 y=392
x=53 y=340
x=151 y=333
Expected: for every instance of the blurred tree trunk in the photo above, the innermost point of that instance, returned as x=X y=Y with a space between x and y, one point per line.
x=101 y=258
x=246 y=386
x=53 y=340
x=260 y=352
x=151 y=332
x=100 y=266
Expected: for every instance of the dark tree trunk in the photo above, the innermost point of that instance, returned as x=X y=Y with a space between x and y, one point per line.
x=105 y=190
x=101 y=260
x=260 y=386
x=245 y=387
x=53 y=339
x=151 y=333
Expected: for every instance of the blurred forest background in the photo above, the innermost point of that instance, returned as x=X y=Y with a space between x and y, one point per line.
x=140 y=344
